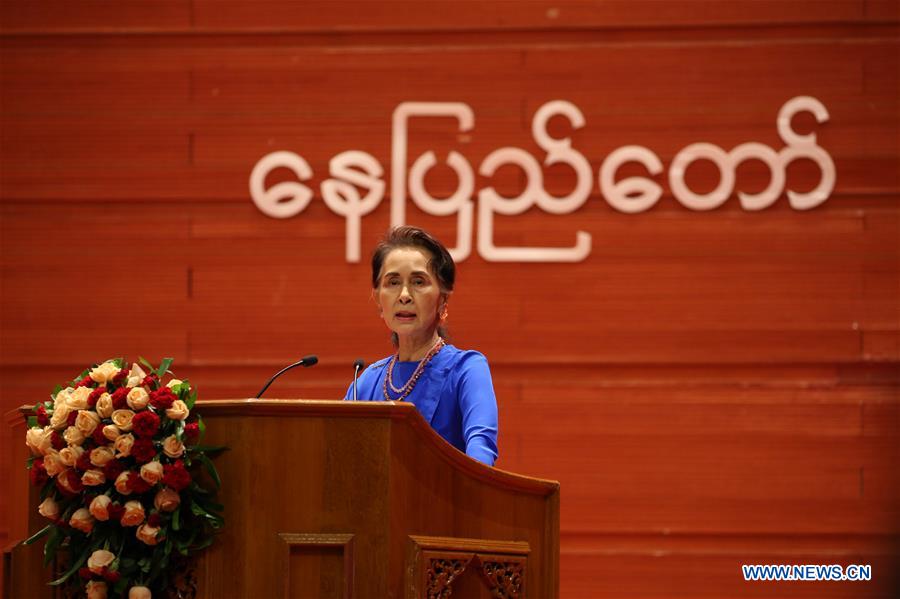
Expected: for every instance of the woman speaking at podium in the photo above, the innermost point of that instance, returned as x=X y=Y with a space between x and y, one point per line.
x=412 y=279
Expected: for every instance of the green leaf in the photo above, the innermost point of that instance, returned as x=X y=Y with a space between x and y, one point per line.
x=37 y=535
x=163 y=367
x=76 y=564
x=145 y=363
x=191 y=400
x=201 y=426
x=31 y=421
x=176 y=519
x=52 y=545
x=211 y=470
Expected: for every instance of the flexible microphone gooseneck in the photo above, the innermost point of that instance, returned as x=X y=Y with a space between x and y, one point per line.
x=358 y=365
x=306 y=361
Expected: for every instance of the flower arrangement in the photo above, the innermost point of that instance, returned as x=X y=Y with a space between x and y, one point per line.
x=127 y=487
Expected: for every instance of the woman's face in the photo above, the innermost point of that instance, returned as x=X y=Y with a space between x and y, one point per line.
x=408 y=293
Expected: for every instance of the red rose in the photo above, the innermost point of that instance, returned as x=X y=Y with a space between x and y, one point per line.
x=154 y=520
x=176 y=476
x=192 y=430
x=110 y=575
x=151 y=380
x=98 y=437
x=118 y=398
x=84 y=461
x=73 y=480
x=85 y=382
x=73 y=415
x=143 y=450
x=42 y=417
x=85 y=572
x=113 y=469
x=94 y=396
x=38 y=473
x=162 y=399
x=57 y=441
x=145 y=424
x=137 y=484
x=121 y=376
x=115 y=511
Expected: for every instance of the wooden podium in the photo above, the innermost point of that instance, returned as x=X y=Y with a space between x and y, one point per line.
x=346 y=499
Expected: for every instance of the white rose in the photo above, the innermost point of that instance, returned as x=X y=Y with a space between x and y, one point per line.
x=134 y=514
x=73 y=436
x=178 y=411
x=100 y=456
x=60 y=417
x=122 y=419
x=95 y=589
x=139 y=593
x=121 y=483
x=52 y=463
x=99 y=507
x=172 y=447
x=49 y=509
x=93 y=478
x=101 y=558
x=77 y=400
x=152 y=472
x=167 y=500
x=87 y=421
x=103 y=373
x=147 y=534
x=62 y=397
x=82 y=520
x=123 y=445
x=136 y=376
x=69 y=455
x=173 y=383
x=138 y=398
x=111 y=432
x=39 y=439
x=104 y=406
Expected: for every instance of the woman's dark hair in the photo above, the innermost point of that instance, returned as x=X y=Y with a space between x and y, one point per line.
x=441 y=262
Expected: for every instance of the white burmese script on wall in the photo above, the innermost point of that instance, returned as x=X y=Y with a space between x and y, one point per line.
x=353 y=172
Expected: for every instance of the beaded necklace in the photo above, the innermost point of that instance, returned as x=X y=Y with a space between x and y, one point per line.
x=406 y=389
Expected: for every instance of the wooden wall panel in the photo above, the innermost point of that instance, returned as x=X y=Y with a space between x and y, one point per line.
x=711 y=388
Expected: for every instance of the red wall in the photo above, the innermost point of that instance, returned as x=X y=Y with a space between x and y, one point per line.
x=711 y=388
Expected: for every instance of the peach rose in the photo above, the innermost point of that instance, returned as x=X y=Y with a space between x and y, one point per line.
x=122 y=419
x=101 y=456
x=172 y=447
x=53 y=463
x=104 y=406
x=49 y=509
x=82 y=520
x=87 y=421
x=60 y=417
x=103 y=373
x=138 y=398
x=99 y=507
x=139 y=593
x=147 y=534
x=101 y=558
x=65 y=482
x=134 y=514
x=178 y=411
x=62 y=398
x=111 y=432
x=38 y=440
x=167 y=500
x=121 y=483
x=93 y=478
x=73 y=436
x=77 y=400
x=152 y=472
x=123 y=445
x=135 y=376
x=95 y=589
x=69 y=455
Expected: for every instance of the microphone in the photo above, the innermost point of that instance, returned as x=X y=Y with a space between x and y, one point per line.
x=358 y=365
x=306 y=361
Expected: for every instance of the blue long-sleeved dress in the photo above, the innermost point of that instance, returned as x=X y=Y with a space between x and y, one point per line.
x=455 y=395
